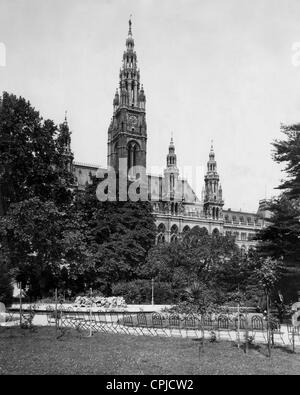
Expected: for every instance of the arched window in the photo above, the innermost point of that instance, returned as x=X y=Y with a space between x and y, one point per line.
x=176 y=208
x=216 y=232
x=174 y=229
x=161 y=228
x=172 y=208
x=174 y=238
x=171 y=182
x=186 y=229
x=132 y=149
x=161 y=238
x=200 y=231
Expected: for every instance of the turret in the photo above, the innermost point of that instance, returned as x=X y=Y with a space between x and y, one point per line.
x=171 y=172
x=142 y=99
x=116 y=101
x=213 y=201
x=64 y=140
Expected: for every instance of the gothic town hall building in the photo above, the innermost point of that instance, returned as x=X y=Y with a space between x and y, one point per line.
x=127 y=140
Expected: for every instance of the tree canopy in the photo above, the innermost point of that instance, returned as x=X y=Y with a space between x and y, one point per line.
x=281 y=239
x=287 y=151
x=119 y=236
x=35 y=188
x=32 y=163
x=210 y=266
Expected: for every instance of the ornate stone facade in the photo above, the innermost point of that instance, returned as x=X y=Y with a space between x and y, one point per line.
x=175 y=205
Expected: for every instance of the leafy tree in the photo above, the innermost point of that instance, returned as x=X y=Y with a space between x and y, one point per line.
x=6 y=289
x=267 y=274
x=282 y=237
x=43 y=242
x=199 y=297
x=35 y=176
x=201 y=267
x=140 y=291
x=288 y=151
x=119 y=235
x=32 y=159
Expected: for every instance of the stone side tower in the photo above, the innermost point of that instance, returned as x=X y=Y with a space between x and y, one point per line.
x=64 y=138
x=171 y=173
x=127 y=132
x=213 y=200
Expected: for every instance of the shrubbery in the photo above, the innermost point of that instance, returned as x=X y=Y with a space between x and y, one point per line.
x=140 y=292
x=6 y=289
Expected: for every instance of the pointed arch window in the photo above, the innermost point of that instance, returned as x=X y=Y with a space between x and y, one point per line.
x=132 y=151
x=172 y=182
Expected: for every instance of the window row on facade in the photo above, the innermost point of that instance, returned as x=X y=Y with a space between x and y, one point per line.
x=241 y=220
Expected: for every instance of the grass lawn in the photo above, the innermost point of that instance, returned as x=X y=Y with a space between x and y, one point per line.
x=40 y=352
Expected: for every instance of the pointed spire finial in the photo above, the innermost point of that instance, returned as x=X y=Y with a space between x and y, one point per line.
x=130 y=23
x=172 y=136
x=212 y=145
x=66 y=120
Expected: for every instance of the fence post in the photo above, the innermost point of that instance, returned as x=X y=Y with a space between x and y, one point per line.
x=268 y=326
x=293 y=338
x=246 y=333
x=20 y=305
x=152 y=291
x=91 y=295
x=238 y=326
x=56 y=309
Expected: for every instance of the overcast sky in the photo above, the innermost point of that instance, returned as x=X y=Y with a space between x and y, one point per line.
x=211 y=69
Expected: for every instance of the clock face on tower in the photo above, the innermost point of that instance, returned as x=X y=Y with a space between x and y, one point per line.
x=132 y=119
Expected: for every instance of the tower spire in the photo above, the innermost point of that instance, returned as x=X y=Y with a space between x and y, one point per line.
x=127 y=132
x=213 y=201
x=212 y=152
x=171 y=172
x=171 y=157
x=64 y=139
x=172 y=140
x=130 y=41
x=130 y=23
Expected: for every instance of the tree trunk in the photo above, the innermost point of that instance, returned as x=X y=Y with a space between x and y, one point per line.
x=268 y=326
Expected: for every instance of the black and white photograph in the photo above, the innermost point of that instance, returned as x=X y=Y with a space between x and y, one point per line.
x=149 y=190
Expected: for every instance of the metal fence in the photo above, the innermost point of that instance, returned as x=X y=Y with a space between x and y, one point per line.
x=221 y=326
x=173 y=324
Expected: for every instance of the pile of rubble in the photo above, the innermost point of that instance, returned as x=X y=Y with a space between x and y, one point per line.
x=100 y=301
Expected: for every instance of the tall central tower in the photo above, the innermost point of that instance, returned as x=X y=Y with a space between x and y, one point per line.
x=127 y=132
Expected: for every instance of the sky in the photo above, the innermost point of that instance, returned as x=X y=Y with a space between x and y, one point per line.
x=221 y=70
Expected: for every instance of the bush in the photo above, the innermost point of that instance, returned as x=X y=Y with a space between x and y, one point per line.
x=6 y=288
x=140 y=292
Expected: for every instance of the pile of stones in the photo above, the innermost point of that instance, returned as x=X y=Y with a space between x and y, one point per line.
x=100 y=301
